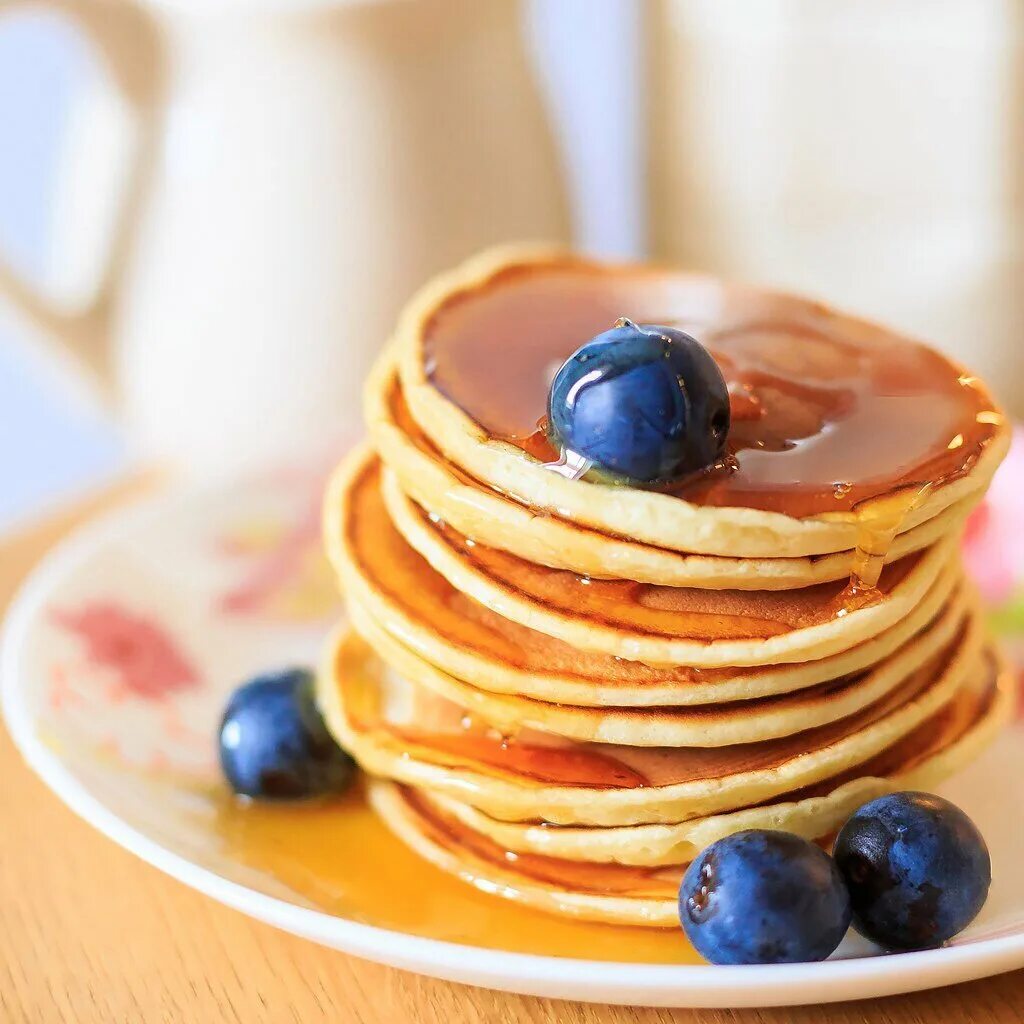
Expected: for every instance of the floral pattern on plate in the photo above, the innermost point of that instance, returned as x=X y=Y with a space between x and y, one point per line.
x=141 y=648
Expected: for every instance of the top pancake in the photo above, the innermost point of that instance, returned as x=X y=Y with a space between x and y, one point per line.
x=832 y=415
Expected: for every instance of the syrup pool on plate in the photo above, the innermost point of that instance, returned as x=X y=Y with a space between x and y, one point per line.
x=338 y=857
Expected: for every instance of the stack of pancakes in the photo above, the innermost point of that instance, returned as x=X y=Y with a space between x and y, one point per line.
x=565 y=688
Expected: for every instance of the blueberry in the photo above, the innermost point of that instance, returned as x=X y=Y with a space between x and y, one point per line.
x=644 y=403
x=274 y=744
x=761 y=897
x=917 y=869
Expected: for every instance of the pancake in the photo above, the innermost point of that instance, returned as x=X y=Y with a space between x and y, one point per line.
x=618 y=893
x=498 y=521
x=412 y=735
x=836 y=420
x=706 y=725
x=645 y=622
x=933 y=751
x=384 y=578
x=590 y=892
x=566 y=686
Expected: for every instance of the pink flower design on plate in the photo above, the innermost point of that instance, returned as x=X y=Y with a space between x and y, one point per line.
x=145 y=659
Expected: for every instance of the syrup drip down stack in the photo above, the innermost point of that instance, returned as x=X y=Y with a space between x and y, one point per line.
x=564 y=686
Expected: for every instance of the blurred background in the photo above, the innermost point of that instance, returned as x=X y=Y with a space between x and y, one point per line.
x=211 y=210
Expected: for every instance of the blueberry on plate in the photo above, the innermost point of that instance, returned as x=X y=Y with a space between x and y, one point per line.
x=761 y=897
x=274 y=744
x=917 y=869
x=641 y=402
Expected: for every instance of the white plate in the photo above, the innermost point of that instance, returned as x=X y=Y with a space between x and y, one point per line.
x=189 y=593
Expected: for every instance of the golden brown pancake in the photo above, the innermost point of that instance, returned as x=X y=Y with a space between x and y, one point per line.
x=707 y=725
x=395 y=585
x=832 y=415
x=568 y=686
x=639 y=622
x=934 y=750
x=413 y=735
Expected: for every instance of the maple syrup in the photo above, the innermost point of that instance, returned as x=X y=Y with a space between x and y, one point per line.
x=829 y=410
x=338 y=857
x=877 y=527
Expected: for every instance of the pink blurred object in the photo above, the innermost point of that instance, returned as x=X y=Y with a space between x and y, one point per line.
x=994 y=539
x=143 y=655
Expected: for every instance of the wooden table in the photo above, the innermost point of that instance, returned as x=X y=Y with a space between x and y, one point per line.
x=90 y=934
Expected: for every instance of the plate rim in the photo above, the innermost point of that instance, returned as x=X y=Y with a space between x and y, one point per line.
x=668 y=985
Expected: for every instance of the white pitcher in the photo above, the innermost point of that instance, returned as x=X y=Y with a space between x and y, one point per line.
x=298 y=169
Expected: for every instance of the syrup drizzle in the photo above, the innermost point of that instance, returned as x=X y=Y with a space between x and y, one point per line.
x=339 y=857
x=878 y=525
